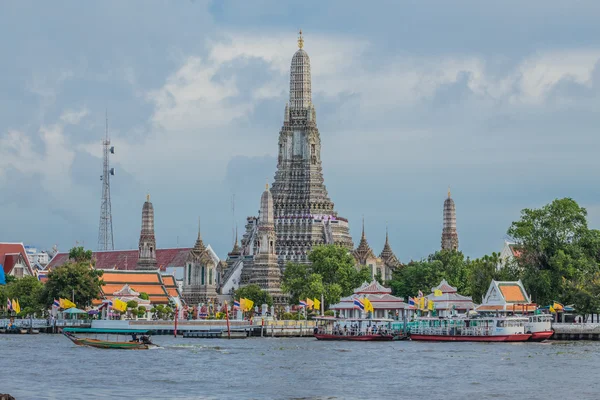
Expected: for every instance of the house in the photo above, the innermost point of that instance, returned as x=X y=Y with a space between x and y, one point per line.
x=506 y=296
x=14 y=261
x=510 y=252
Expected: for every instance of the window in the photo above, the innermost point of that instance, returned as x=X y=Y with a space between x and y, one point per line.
x=202 y=281
x=189 y=274
x=210 y=276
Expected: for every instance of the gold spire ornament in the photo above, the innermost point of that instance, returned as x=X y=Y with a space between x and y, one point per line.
x=448 y=191
x=300 y=40
x=148 y=197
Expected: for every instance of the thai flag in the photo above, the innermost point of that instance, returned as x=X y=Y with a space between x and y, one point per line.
x=420 y=294
x=236 y=304
x=411 y=301
x=56 y=303
x=8 y=305
x=359 y=304
x=303 y=303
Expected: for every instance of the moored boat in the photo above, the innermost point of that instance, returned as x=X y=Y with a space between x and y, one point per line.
x=464 y=329
x=143 y=343
x=540 y=327
x=356 y=329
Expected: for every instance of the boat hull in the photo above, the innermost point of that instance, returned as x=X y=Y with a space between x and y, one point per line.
x=493 y=338
x=541 y=336
x=361 y=338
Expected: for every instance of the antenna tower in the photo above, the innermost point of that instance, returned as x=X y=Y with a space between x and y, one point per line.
x=105 y=232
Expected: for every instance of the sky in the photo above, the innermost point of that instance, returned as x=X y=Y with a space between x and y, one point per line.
x=498 y=100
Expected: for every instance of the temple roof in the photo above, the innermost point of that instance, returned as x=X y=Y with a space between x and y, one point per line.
x=363 y=251
x=450 y=299
x=10 y=254
x=445 y=287
x=159 y=288
x=379 y=301
x=372 y=288
x=387 y=255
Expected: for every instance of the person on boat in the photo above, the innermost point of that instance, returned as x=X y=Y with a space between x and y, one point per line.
x=134 y=337
x=145 y=339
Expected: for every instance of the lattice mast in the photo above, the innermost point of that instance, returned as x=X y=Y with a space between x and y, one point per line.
x=105 y=231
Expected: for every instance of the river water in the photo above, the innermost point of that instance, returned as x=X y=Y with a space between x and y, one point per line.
x=51 y=367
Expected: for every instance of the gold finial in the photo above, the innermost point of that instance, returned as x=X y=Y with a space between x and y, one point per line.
x=148 y=197
x=300 y=40
x=267 y=186
x=448 y=191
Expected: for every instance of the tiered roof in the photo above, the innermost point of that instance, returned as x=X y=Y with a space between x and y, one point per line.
x=379 y=296
x=450 y=299
x=127 y=259
x=387 y=255
x=506 y=296
x=12 y=254
x=158 y=287
x=363 y=252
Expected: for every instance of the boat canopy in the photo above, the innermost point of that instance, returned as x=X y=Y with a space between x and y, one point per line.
x=104 y=330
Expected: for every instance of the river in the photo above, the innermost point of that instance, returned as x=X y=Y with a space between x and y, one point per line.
x=51 y=367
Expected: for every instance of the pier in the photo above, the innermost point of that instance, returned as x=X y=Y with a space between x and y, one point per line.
x=576 y=331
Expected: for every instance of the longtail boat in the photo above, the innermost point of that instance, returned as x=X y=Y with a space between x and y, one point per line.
x=143 y=343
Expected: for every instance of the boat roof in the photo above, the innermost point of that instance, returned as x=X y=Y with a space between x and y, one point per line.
x=354 y=319
x=105 y=330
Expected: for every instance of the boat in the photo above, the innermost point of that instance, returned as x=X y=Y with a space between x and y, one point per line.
x=470 y=329
x=143 y=343
x=540 y=327
x=356 y=329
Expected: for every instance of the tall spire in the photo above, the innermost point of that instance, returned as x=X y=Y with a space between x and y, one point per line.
x=147 y=244
x=300 y=40
x=300 y=80
x=449 y=233
x=387 y=254
x=363 y=227
x=363 y=251
x=199 y=246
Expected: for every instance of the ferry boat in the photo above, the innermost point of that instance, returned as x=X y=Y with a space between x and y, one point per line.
x=464 y=329
x=143 y=343
x=540 y=327
x=356 y=329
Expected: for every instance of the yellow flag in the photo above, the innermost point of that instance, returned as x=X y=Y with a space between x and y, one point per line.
x=552 y=310
x=309 y=303
x=65 y=304
x=249 y=304
x=242 y=304
x=422 y=303
x=557 y=306
x=119 y=305
x=317 y=304
x=437 y=292
x=430 y=305
x=14 y=305
x=18 y=306
x=368 y=305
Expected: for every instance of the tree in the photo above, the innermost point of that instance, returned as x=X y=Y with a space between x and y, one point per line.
x=76 y=279
x=27 y=290
x=144 y=296
x=557 y=247
x=79 y=254
x=254 y=293
x=481 y=272
x=416 y=276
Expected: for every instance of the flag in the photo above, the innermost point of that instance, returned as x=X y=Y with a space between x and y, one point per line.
x=8 y=305
x=437 y=292
x=56 y=303
x=359 y=304
x=242 y=304
x=2 y=276
x=430 y=305
x=236 y=304
x=118 y=305
x=302 y=303
x=14 y=305
x=411 y=301
x=249 y=304
x=317 y=304
x=557 y=306
x=552 y=310
x=420 y=294
x=368 y=305
x=422 y=303
x=18 y=308
x=65 y=304
x=310 y=303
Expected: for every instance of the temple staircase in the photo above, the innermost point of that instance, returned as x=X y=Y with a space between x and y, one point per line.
x=328 y=232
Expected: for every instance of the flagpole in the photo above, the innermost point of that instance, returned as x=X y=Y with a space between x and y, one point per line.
x=227 y=317
x=322 y=305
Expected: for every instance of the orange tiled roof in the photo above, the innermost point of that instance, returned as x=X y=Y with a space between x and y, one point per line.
x=512 y=293
x=168 y=280
x=131 y=277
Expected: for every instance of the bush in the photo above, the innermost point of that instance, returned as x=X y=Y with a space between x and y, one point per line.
x=289 y=316
x=329 y=313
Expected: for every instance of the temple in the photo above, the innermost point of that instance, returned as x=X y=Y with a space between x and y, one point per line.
x=147 y=247
x=381 y=267
x=449 y=234
x=304 y=215
x=385 y=305
x=200 y=277
x=448 y=302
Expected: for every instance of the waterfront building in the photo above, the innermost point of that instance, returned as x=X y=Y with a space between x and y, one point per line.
x=147 y=245
x=14 y=260
x=200 y=277
x=508 y=296
x=449 y=302
x=509 y=253
x=161 y=289
x=37 y=259
x=449 y=234
x=304 y=214
x=385 y=305
x=382 y=266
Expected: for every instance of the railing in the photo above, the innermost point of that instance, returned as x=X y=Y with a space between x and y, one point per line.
x=328 y=232
x=44 y=323
x=452 y=331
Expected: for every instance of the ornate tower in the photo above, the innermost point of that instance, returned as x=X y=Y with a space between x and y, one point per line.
x=147 y=247
x=199 y=275
x=265 y=271
x=449 y=234
x=105 y=230
x=303 y=213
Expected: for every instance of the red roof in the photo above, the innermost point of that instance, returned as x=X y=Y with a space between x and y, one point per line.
x=9 y=256
x=127 y=259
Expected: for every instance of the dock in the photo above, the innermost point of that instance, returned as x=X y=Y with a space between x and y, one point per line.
x=576 y=331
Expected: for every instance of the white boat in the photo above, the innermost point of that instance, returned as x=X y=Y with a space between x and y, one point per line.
x=465 y=329
x=540 y=327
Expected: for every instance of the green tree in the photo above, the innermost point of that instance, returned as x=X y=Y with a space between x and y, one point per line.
x=557 y=247
x=481 y=272
x=144 y=296
x=416 y=276
x=254 y=293
x=79 y=254
x=27 y=290
x=76 y=279
x=141 y=312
